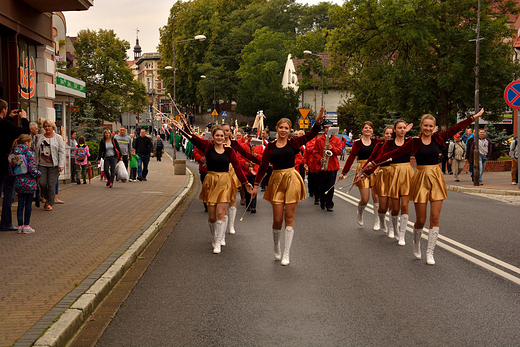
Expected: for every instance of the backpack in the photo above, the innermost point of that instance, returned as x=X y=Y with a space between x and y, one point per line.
x=81 y=154
x=17 y=164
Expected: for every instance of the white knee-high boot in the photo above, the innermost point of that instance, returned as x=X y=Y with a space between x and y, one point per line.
x=276 y=239
x=402 y=229
x=232 y=216
x=219 y=230
x=212 y=231
x=394 y=229
x=417 y=243
x=376 y=219
x=432 y=241
x=382 y=222
x=289 y=234
x=360 y=209
x=223 y=236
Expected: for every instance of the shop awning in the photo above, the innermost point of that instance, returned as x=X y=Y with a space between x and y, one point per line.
x=70 y=86
x=60 y=5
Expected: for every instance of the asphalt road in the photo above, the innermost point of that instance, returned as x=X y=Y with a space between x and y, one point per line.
x=346 y=285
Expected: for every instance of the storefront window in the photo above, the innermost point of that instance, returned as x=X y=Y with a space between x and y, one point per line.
x=27 y=78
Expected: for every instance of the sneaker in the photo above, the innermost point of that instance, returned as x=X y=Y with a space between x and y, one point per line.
x=28 y=230
x=110 y=186
x=144 y=179
x=78 y=182
x=84 y=182
x=20 y=229
x=513 y=183
x=139 y=178
x=130 y=180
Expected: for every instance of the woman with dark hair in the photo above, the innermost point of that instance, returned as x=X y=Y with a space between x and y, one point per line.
x=427 y=183
x=111 y=153
x=362 y=149
x=285 y=187
x=218 y=188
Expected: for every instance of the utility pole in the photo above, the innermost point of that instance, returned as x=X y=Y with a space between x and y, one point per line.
x=476 y=154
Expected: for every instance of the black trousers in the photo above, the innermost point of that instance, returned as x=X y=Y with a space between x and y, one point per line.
x=312 y=182
x=326 y=180
x=202 y=177
x=250 y=179
x=267 y=176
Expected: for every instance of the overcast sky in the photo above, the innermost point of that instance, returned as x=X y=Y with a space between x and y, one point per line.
x=125 y=16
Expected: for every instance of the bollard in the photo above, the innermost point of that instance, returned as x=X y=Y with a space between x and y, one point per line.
x=179 y=167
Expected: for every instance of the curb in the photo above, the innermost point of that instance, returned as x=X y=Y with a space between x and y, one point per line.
x=73 y=317
x=479 y=190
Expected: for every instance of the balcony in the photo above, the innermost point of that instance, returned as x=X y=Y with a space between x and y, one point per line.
x=60 y=5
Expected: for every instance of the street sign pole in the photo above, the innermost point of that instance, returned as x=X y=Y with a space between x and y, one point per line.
x=512 y=98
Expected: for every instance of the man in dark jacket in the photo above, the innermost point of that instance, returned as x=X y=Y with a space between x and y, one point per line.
x=144 y=148
x=159 y=148
x=8 y=133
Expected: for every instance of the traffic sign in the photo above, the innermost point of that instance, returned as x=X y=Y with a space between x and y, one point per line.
x=224 y=113
x=304 y=112
x=304 y=123
x=512 y=95
x=214 y=113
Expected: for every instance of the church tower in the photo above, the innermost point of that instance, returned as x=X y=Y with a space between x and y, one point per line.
x=137 y=48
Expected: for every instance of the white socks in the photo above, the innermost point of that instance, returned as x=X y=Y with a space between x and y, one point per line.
x=402 y=229
x=417 y=243
x=223 y=237
x=360 y=209
x=394 y=229
x=376 y=219
x=219 y=230
x=382 y=222
x=232 y=215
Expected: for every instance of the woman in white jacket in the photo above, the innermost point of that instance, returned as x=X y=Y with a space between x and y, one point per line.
x=50 y=156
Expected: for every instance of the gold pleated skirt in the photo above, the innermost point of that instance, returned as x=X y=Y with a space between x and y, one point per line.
x=366 y=183
x=285 y=187
x=400 y=182
x=428 y=184
x=238 y=184
x=382 y=181
x=218 y=187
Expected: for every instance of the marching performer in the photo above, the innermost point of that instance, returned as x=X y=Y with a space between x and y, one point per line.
x=362 y=149
x=427 y=182
x=326 y=151
x=313 y=166
x=382 y=181
x=285 y=187
x=218 y=189
x=203 y=170
x=257 y=150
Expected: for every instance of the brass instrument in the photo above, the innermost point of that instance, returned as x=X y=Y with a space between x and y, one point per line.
x=327 y=153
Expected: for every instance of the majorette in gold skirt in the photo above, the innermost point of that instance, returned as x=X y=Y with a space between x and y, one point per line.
x=218 y=187
x=400 y=182
x=285 y=187
x=428 y=184
x=382 y=180
x=369 y=183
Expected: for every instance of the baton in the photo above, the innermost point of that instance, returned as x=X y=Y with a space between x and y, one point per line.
x=335 y=184
x=243 y=214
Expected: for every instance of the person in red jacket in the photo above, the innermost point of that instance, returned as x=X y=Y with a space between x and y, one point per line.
x=203 y=169
x=285 y=187
x=362 y=149
x=427 y=183
x=257 y=150
x=327 y=175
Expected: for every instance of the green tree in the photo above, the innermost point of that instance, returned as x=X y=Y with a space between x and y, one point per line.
x=263 y=62
x=101 y=63
x=92 y=130
x=411 y=57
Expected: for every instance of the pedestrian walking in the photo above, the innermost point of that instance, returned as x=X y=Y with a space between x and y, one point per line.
x=285 y=188
x=81 y=160
x=73 y=143
x=362 y=149
x=144 y=150
x=133 y=166
x=25 y=182
x=218 y=189
x=125 y=144
x=50 y=157
x=110 y=152
x=456 y=155
x=484 y=152
x=159 y=147
x=8 y=133
x=428 y=183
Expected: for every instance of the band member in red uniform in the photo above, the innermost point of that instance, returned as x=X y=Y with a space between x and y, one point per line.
x=218 y=189
x=362 y=149
x=328 y=165
x=285 y=187
x=257 y=150
x=203 y=170
x=313 y=166
x=427 y=182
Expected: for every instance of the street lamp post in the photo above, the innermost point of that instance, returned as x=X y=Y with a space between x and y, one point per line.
x=322 y=72
x=196 y=38
x=214 y=97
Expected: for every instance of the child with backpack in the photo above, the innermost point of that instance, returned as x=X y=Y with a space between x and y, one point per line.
x=81 y=155
x=133 y=164
x=22 y=165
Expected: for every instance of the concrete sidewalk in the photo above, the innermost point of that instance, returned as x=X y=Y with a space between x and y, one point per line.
x=43 y=273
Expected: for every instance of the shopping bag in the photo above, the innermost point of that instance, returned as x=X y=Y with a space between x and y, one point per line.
x=121 y=172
